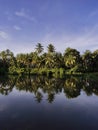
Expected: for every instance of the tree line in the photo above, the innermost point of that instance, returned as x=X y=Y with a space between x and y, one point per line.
x=40 y=62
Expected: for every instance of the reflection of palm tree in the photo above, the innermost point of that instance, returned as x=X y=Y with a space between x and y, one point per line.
x=51 y=97
x=71 y=87
x=7 y=84
x=49 y=86
x=88 y=87
x=95 y=89
x=38 y=97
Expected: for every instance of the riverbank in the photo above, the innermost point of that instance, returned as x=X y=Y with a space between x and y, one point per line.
x=55 y=72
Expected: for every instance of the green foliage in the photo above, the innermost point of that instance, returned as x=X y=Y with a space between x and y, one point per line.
x=13 y=70
x=71 y=85
x=77 y=69
x=71 y=57
x=87 y=61
x=50 y=63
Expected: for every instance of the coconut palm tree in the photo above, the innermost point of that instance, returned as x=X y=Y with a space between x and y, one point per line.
x=21 y=60
x=71 y=57
x=58 y=60
x=39 y=48
x=95 y=60
x=87 y=60
x=70 y=61
x=51 y=48
x=6 y=57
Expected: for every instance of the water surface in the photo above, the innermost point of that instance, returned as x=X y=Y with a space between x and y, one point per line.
x=44 y=103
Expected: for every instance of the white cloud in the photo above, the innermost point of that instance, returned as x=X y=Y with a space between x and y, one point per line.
x=17 y=28
x=4 y=35
x=17 y=47
x=24 y=14
x=86 y=41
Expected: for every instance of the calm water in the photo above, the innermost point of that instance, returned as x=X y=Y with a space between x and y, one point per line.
x=48 y=103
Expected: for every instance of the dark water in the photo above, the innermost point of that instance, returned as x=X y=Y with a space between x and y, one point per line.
x=41 y=103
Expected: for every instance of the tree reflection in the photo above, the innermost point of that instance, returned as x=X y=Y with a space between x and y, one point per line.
x=38 y=97
x=72 y=87
x=39 y=85
x=51 y=97
x=6 y=84
x=90 y=85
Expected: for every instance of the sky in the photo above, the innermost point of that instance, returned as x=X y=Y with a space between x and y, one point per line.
x=63 y=23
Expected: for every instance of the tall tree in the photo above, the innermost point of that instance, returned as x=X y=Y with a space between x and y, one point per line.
x=71 y=57
x=87 y=61
x=95 y=60
x=58 y=60
x=39 y=48
x=51 y=48
x=6 y=57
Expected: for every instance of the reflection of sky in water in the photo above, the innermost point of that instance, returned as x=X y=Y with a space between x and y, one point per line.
x=20 y=110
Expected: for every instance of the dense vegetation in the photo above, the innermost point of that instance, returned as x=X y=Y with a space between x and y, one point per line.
x=48 y=63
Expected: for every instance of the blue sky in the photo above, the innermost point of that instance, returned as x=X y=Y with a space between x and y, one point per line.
x=64 y=23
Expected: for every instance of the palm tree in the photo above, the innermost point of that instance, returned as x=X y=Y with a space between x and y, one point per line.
x=58 y=60
x=49 y=61
x=87 y=61
x=3 y=55
x=70 y=61
x=51 y=48
x=9 y=54
x=6 y=57
x=95 y=60
x=71 y=57
x=39 y=48
x=21 y=60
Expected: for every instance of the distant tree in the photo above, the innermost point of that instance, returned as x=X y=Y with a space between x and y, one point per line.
x=51 y=48
x=95 y=60
x=39 y=48
x=5 y=59
x=21 y=60
x=71 y=57
x=58 y=60
x=87 y=61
